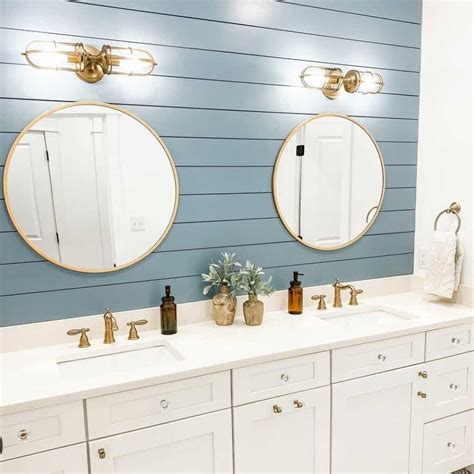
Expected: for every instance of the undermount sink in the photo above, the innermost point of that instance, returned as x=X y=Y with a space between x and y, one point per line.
x=122 y=357
x=372 y=316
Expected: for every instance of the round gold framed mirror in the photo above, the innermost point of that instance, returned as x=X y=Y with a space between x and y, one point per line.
x=91 y=187
x=329 y=182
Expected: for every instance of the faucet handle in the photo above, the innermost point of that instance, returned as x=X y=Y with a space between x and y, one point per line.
x=353 y=301
x=133 y=333
x=336 y=282
x=321 y=303
x=83 y=340
x=108 y=313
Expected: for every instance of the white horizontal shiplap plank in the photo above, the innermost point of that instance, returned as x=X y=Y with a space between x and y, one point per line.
x=282 y=16
x=87 y=20
x=212 y=65
x=42 y=276
x=24 y=82
x=169 y=121
x=92 y=300
x=403 y=10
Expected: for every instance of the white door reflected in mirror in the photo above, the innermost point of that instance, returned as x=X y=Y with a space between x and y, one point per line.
x=328 y=182
x=91 y=187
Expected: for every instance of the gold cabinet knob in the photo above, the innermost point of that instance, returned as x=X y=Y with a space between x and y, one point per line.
x=277 y=409
x=298 y=404
x=451 y=446
x=381 y=357
x=421 y=394
x=321 y=301
x=285 y=377
x=453 y=387
x=133 y=333
x=101 y=453
x=83 y=340
x=423 y=374
x=23 y=434
x=456 y=341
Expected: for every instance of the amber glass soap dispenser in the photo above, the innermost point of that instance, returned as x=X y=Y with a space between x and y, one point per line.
x=169 y=323
x=295 y=295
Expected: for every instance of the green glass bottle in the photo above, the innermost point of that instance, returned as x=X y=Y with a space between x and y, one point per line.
x=169 y=322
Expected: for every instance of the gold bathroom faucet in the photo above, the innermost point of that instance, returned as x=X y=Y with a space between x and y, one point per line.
x=338 y=286
x=110 y=326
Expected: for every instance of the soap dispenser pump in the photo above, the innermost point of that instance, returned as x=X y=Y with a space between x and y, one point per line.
x=295 y=295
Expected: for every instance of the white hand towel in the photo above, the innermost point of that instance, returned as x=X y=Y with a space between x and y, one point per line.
x=444 y=262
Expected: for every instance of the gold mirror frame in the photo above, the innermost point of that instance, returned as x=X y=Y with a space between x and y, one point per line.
x=275 y=171
x=9 y=206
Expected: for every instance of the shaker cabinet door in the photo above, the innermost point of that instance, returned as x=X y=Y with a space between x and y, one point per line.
x=202 y=444
x=70 y=460
x=377 y=423
x=288 y=434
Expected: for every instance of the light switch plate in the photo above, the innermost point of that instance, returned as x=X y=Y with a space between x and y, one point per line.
x=423 y=257
x=137 y=224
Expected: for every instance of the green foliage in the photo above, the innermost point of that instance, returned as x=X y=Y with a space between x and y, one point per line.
x=224 y=272
x=252 y=281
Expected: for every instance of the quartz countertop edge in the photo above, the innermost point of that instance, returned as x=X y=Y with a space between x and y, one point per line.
x=30 y=379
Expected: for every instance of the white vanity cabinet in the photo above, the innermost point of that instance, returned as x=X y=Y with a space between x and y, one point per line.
x=288 y=434
x=377 y=422
x=198 y=444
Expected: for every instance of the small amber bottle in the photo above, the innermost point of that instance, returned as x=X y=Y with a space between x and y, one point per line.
x=169 y=323
x=295 y=295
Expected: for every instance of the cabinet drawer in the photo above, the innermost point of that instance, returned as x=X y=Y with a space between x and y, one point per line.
x=447 y=443
x=364 y=359
x=70 y=460
x=449 y=386
x=37 y=430
x=139 y=408
x=449 y=341
x=271 y=379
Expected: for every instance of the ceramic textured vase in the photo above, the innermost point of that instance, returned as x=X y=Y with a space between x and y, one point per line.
x=253 y=311
x=224 y=306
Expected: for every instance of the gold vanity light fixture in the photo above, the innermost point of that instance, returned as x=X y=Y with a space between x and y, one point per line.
x=88 y=62
x=331 y=80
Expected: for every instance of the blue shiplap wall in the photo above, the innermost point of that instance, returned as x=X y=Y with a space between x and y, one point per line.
x=225 y=94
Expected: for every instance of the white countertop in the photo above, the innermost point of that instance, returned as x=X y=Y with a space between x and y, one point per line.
x=31 y=378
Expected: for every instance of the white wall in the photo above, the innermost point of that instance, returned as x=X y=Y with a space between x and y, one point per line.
x=445 y=170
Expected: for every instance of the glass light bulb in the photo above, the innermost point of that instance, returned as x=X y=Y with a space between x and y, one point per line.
x=315 y=77
x=131 y=62
x=370 y=83
x=52 y=55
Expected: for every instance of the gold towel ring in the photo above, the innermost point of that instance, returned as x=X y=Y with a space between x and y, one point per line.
x=454 y=208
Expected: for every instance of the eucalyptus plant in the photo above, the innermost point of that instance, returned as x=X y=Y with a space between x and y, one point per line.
x=224 y=272
x=252 y=282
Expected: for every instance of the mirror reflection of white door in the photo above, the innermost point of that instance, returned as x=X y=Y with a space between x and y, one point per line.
x=326 y=183
x=80 y=189
x=29 y=188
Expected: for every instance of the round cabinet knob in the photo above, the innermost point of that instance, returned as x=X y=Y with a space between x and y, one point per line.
x=285 y=377
x=164 y=404
x=23 y=434
x=453 y=387
x=451 y=446
x=423 y=374
x=277 y=409
x=456 y=341
x=381 y=357
x=421 y=394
